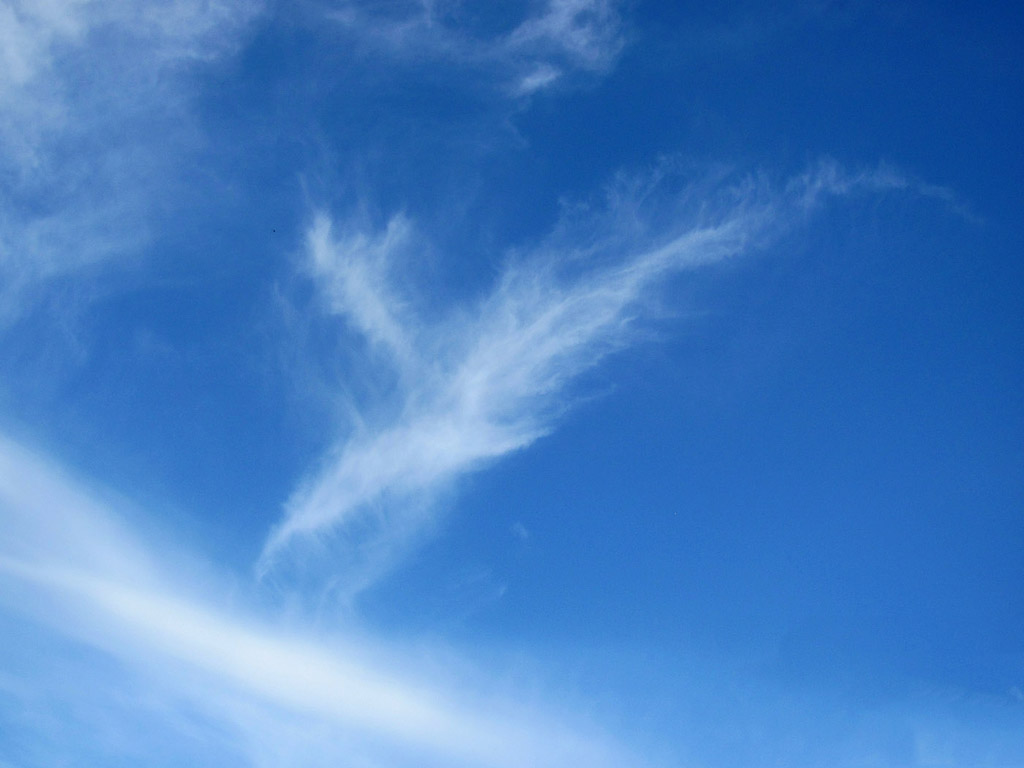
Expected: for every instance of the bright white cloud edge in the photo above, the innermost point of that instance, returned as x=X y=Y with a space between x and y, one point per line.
x=69 y=562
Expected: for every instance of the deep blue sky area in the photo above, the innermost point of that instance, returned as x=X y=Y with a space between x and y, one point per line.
x=562 y=382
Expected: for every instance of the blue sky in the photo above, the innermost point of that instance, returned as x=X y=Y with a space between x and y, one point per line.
x=543 y=383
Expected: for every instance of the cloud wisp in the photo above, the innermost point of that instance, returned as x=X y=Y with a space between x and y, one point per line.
x=488 y=379
x=541 y=48
x=84 y=88
x=73 y=565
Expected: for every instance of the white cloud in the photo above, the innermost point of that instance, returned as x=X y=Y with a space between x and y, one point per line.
x=361 y=289
x=550 y=40
x=540 y=78
x=520 y=531
x=69 y=564
x=586 y=33
x=86 y=86
x=47 y=519
x=490 y=379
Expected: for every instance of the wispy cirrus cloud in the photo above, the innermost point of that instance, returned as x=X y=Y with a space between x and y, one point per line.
x=71 y=563
x=85 y=88
x=546 y=42
x=488 y=379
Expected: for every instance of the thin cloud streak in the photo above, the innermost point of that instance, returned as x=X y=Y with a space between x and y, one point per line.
x=82 y=584
x=560 y=38
x=490 y=379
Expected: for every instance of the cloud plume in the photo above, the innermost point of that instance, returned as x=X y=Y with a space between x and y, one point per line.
x=492 y=377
